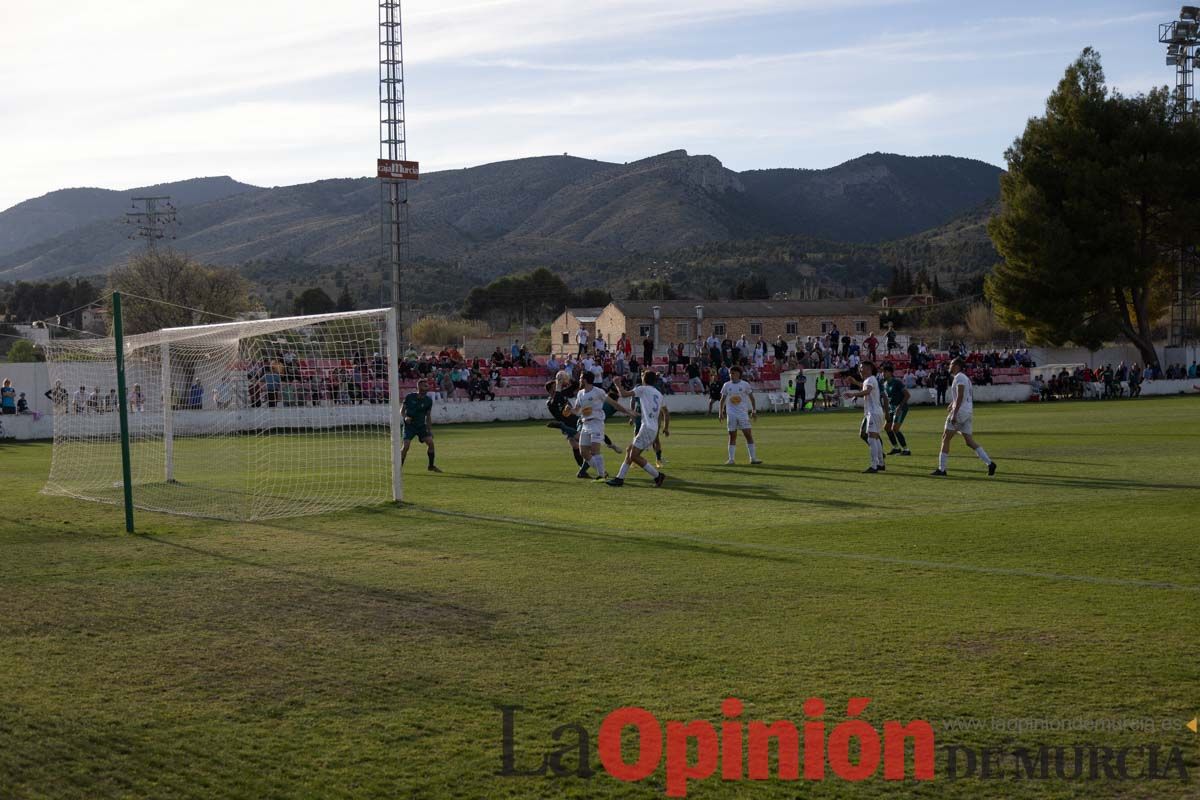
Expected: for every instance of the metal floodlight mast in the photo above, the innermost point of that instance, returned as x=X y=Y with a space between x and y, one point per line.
x=393 y=168
x=1182 y=38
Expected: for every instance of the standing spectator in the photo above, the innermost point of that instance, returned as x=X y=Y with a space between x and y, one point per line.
x=196 y=396
x=601 y=346
x=8 y=398
x=845 y=345
x=914 y=354
x=223 y=393
x=800 y=398
x=515 y=351
x=941 y=382
x=58 y=398
x=872 y=345
x=80 y=400
x=891 y=339
x=781 y=349
x=648 y=352
x=672 y=359
x=137 y=400
x=22 y=404
x=581 y=338
x=695 y=384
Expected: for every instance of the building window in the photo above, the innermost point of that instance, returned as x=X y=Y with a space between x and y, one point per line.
x=719 y=329
x=792 y=328
x=860 y=326
x=566 y=338
x=683 y=331
x=644 y=331
x=756 y=329
x=826 y=326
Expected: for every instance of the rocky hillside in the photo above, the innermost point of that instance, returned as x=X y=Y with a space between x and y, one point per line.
x=46 y=217
x=516 y=214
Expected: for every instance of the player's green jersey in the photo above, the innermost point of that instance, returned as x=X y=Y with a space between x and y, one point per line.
x=894 y=389
x=417 y=408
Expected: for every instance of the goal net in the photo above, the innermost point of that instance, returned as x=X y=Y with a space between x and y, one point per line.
x=242 y=420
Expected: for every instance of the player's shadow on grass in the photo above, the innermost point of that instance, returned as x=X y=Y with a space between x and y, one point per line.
x=650 y=539
x=756 y=494
x=496 y=478
x=1056 y=461
x=1067 y=482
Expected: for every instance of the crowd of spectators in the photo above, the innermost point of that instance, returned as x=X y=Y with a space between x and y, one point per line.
x=1107 y=382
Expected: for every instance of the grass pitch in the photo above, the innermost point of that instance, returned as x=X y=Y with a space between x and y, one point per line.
x=364 y=654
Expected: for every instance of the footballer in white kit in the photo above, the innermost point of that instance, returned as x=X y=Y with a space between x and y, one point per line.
x=589 y=405
x=650 y=406
x=872 y=414
x=738 y=409
x=961 y=419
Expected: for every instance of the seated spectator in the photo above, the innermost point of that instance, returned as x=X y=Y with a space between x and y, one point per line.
x=480 y=388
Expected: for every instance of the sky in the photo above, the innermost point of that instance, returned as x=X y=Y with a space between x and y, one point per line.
x=277 y=92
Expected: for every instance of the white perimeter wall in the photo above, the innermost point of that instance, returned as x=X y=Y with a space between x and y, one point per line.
x=32 y=379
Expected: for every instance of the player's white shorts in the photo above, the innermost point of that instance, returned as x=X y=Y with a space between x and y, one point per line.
x=645 y=437
x=874 y=422
x=591 y=433
x=737 y=422
x=963 y=425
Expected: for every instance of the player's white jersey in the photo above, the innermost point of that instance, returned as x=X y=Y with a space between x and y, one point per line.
x=736 y=395
x=589 y=404
x=650 y=402
x=872 y=406
x=967 y=407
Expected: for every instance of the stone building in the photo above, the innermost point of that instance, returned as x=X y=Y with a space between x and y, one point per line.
x=672 y=321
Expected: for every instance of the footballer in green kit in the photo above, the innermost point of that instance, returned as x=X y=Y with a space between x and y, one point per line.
x=418 y=414
x=897 y=409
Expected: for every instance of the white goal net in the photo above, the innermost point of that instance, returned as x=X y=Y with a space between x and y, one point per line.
x=242 y=420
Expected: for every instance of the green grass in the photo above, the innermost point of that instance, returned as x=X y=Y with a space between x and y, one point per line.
x=364 y=654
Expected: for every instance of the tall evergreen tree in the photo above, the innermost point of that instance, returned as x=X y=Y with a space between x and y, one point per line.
x=1100 y=197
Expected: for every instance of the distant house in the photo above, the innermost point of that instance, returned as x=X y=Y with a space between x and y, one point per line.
x=563 y=329
x=673 y=321
x=899 y=302
x=95 y=319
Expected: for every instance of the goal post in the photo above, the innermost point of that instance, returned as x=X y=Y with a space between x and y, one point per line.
x=246 y=420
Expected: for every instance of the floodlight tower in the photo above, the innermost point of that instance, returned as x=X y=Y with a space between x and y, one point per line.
x=1182 y=38
x=393 y=170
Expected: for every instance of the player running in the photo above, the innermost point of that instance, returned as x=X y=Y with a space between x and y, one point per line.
x=896 y=397
x=561 y=390
x=664 y=424
x=872 y=414
x=651 y=409
x=737 y=407
x=962 y=410
x=589 y=405
x=418 y=419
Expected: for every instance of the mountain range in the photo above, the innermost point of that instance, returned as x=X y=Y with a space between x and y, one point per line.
x=491 y=219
